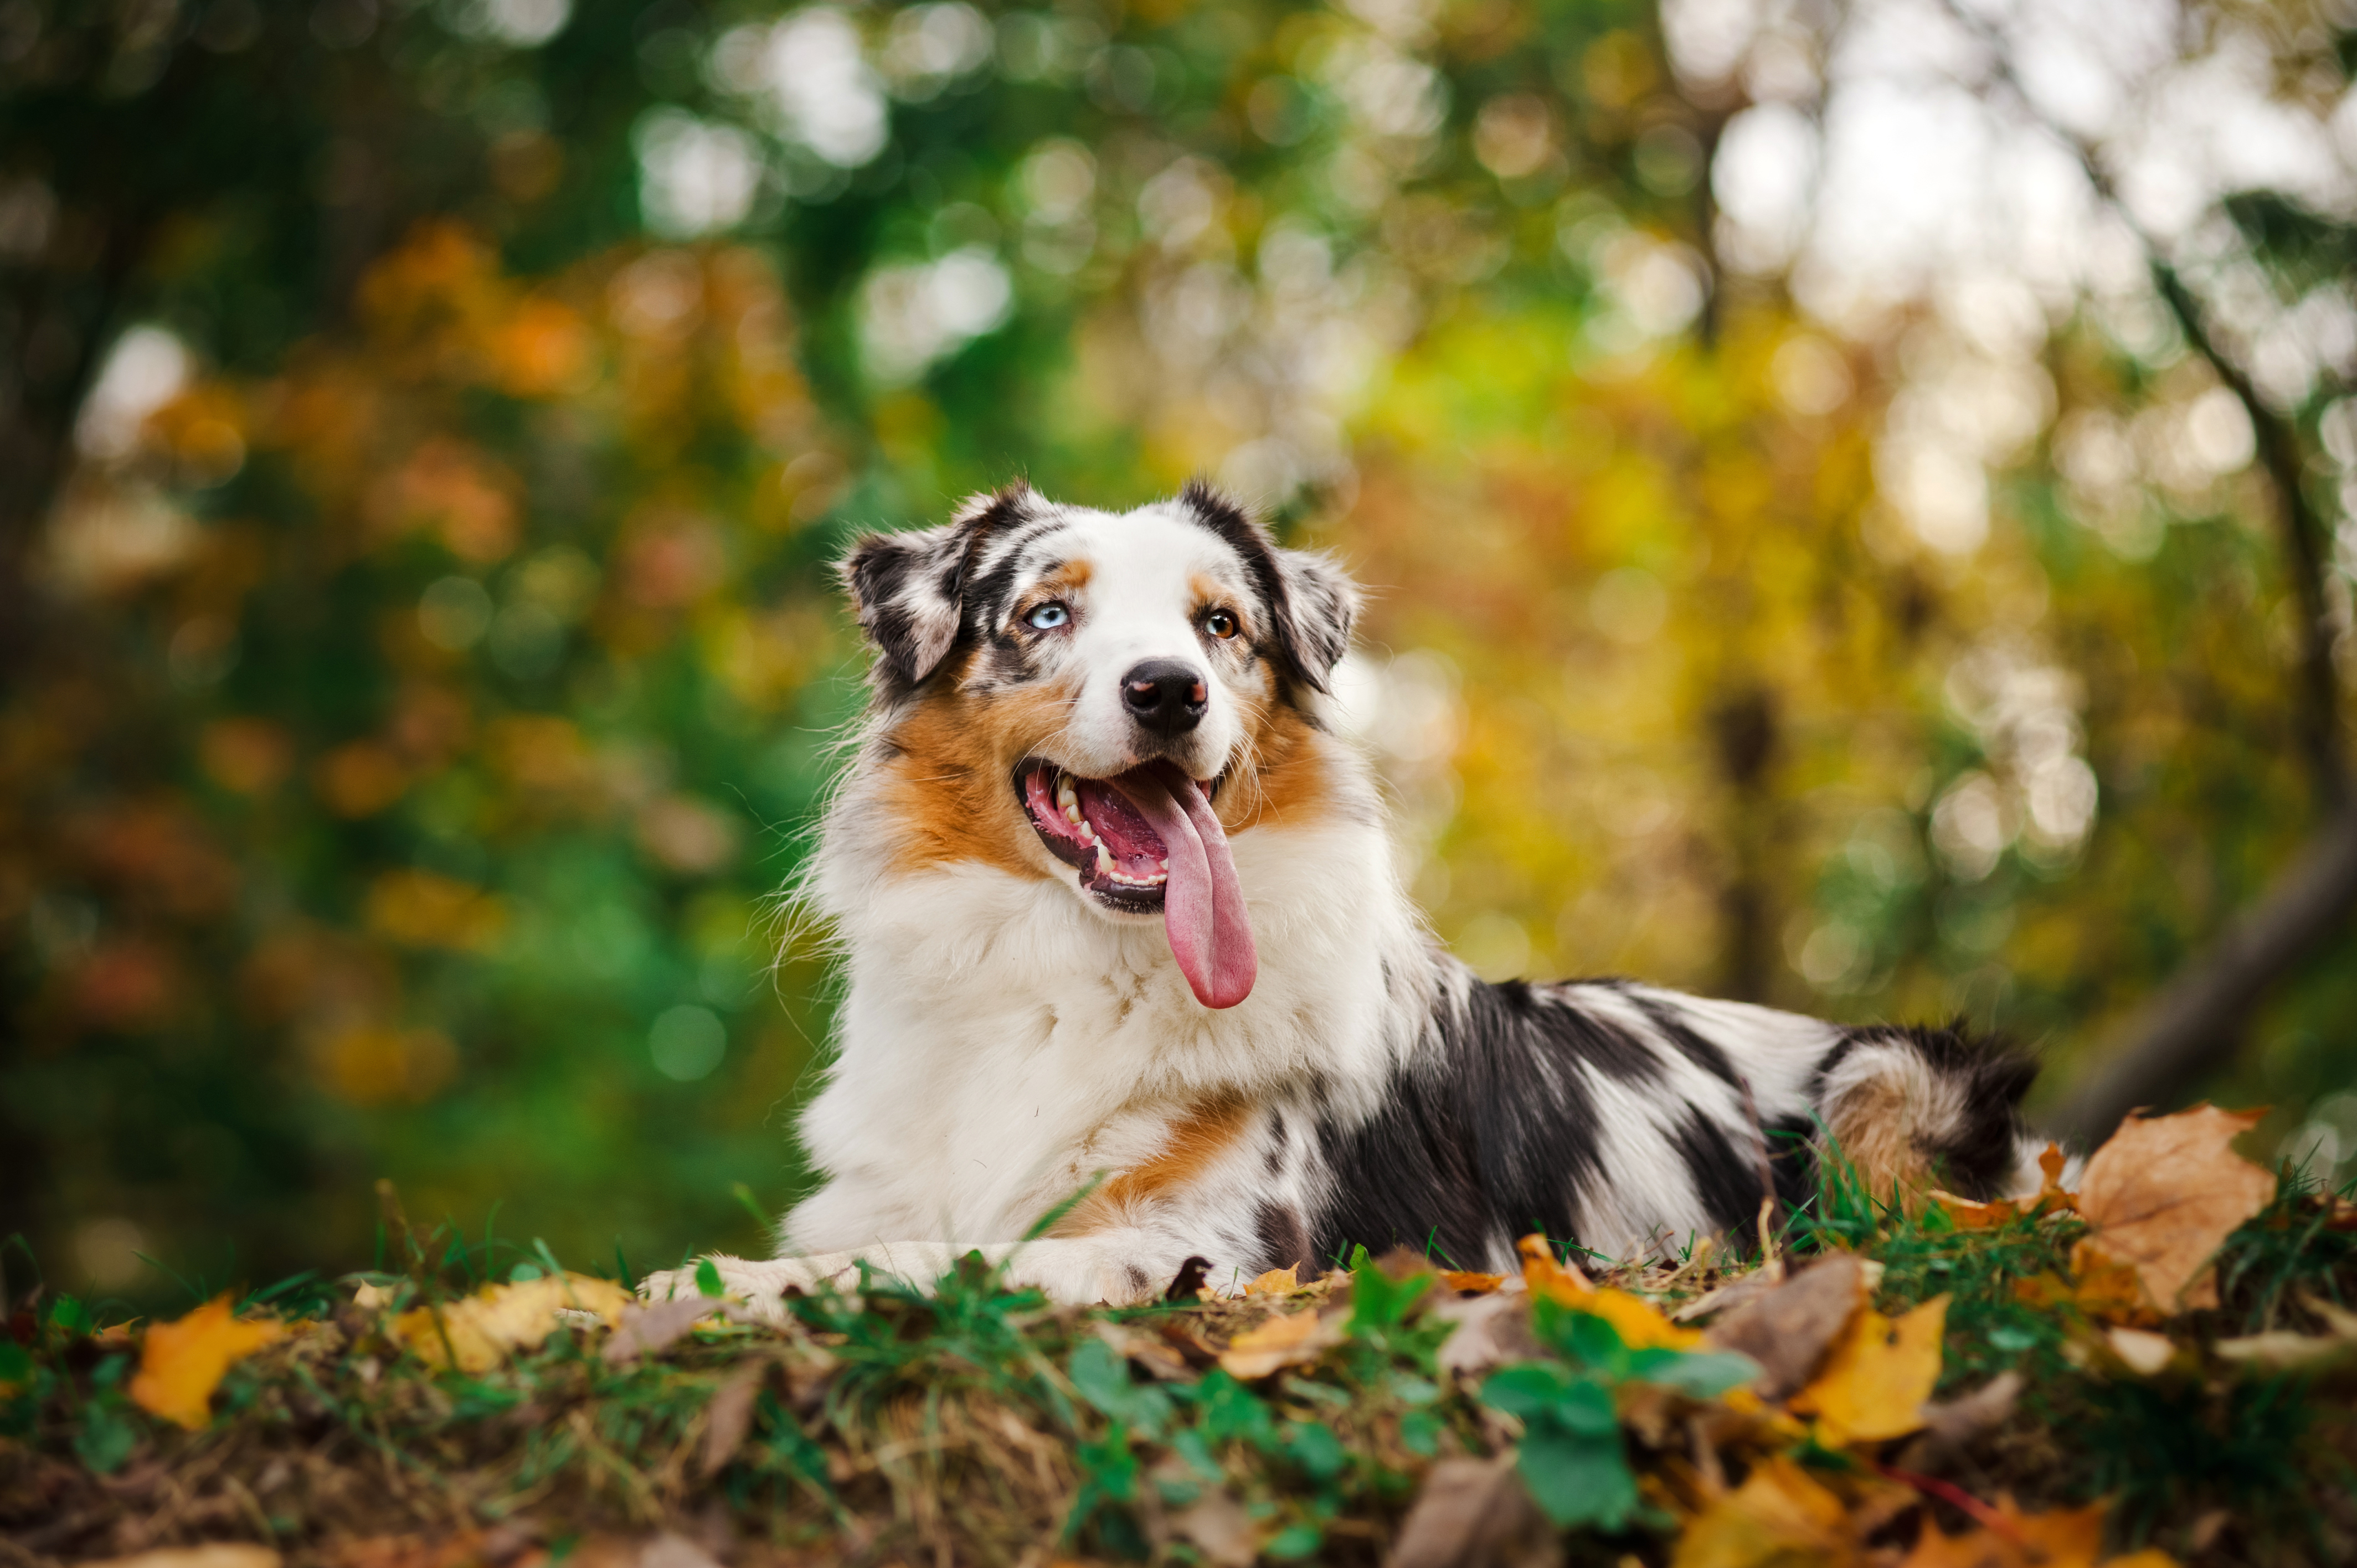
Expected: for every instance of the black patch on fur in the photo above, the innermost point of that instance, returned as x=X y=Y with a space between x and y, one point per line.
x=1284 y=1240
x=1489 y=1136
x=1792 y=1158
x=901 y=582
x=1691 y=1043
x=1726 y=1177
x=1309 y=633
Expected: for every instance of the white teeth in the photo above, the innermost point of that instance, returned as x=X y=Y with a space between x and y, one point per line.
x=1088 y=830
x=1163 y=864
x=1104 y=860
x=1071 y=812
x=1067 y=797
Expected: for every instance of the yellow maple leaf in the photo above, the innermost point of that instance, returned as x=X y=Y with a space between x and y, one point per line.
x=1275 y=1281
x=181 y=1363
x=1877 y=1376
x=480 y=1331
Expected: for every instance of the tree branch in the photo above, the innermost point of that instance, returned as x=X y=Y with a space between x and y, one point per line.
x=2184 y=1029
x=2306 y=533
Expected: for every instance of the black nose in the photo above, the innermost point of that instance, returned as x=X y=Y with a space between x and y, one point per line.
x=1164 y=695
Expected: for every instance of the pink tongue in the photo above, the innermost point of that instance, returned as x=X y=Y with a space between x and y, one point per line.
x=1203 y=903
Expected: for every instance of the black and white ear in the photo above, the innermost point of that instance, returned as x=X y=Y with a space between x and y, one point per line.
x=907 y=588
x=1316 y=612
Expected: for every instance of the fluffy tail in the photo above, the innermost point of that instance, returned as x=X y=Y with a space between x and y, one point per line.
x=1916 y=1108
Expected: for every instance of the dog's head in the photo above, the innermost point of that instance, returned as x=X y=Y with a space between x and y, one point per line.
x=1100 y=697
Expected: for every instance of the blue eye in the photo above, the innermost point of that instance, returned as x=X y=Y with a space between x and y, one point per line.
x=1047 y=617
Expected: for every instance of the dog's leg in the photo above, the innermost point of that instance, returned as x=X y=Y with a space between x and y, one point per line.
x=1118 y=1267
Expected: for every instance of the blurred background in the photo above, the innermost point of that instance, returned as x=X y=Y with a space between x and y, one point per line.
x=1856 y=499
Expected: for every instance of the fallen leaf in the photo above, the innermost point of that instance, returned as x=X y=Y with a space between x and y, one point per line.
x=1157 y=1355
x=645 y=1330
x=671 y=1550
x=1547 y=1275
x=481 y=1330
x=2109 y=1289
x=213 y=1554
x=1789 y=1328
x=1475 y=1513
x=1490 y=1331
x=1277 y=1281
x=181 y=1363
x=1280 y=1342
x=2064 y=1538
x=2144 y=1353
x=1220 y=1528
x=1467 y=1283
x=1779 y=1516
x=1878 y=1376
x=2163 y=1193
x=2282 y=1350
x=729 y=1416
x=1956 y=1423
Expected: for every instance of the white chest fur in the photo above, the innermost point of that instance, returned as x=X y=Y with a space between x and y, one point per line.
x=1001 y=1043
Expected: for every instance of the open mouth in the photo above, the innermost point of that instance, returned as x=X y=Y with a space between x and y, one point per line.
x=1147 y=842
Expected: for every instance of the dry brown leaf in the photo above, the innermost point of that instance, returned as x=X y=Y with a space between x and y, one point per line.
x=1879 y=1376
x=212 y=1554
x=1779 y=1516
x=2163 y=1194
x=2144 y=1353
x=181 y=1363
x=1789 y=1328
x=1492 y=1330
x=1277 y=1281
x=1475 y=1513
x=480 y=1331
x=645 y=1330
x=729 y=1416
x=1220 y=1530
x=1280 y=1342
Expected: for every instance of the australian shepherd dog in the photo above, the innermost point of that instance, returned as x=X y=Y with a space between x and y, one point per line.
x=1125 y=938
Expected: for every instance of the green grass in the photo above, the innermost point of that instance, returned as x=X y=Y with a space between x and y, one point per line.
x=979 y=1422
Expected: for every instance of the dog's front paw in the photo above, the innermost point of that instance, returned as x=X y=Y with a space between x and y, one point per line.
x=759 y=1283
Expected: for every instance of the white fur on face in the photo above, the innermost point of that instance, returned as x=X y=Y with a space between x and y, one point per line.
x=1141 y=602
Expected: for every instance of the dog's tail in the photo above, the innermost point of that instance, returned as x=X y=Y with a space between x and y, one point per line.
x=1911 y=1109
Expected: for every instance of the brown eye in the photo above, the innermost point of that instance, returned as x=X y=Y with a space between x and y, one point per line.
x=1220 y=624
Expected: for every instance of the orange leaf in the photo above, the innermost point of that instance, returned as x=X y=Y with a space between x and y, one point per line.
x=181 y=1363
x=1277 y=1281
x=1877 y=1376
x=2163 y=1193
x=1279 y=1342
x=1556 y=1281
x=1467 y=1283
x=2064 y=1538
x=1967 y=1215
x=1779 y=1515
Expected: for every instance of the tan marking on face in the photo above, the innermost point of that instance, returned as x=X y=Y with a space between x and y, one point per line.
x=1060 y=583
x=1285 y=776
x=949 y=784
x=1207 y=1131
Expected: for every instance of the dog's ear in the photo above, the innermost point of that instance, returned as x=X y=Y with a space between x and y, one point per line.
x=1315 y=613
x=1313 y=600
x=908 y=589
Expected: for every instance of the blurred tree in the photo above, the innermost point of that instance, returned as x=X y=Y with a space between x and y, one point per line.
x=432 y=424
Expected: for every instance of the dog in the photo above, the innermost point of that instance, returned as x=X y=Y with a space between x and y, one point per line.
x=1133 y=979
